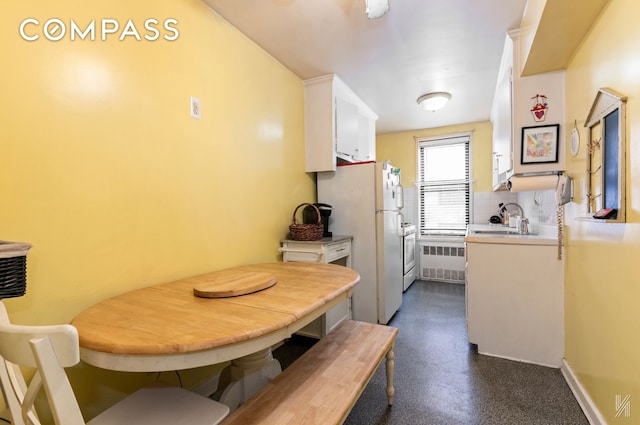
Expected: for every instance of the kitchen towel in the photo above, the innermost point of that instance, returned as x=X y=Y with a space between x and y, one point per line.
x=531 y=183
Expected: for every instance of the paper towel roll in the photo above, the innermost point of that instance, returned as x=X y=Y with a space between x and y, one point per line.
x=531 y=183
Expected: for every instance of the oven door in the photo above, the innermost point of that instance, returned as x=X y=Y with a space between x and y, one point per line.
x=409 y=253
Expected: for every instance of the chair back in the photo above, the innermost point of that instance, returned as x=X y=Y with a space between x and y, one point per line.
x=48 y=349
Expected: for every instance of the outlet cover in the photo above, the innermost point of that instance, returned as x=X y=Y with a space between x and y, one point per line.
x=196 y=111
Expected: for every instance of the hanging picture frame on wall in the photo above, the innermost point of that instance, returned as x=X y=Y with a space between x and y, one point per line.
x=540 y=144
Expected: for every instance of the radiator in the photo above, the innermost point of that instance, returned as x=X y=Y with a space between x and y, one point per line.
x=442 y=260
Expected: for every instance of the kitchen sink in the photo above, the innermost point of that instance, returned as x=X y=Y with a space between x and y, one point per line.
x=505 y=231
x=496 y=231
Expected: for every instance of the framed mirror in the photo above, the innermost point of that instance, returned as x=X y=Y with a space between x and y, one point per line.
x=606 y=142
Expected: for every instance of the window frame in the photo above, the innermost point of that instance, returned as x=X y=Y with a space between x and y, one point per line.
x=439 y=141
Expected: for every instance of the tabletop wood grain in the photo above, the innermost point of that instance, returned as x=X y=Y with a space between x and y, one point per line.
x=168 y=318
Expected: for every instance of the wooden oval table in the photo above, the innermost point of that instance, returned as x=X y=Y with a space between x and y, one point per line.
x=166 y=327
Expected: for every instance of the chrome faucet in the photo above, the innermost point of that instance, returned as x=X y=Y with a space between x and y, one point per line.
x=515 y=205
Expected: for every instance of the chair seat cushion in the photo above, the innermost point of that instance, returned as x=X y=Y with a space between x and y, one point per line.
x=163 y=406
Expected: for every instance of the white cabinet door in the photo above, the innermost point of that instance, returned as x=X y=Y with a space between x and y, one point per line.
x=502 y=131
x=366 y=138
x=515 y=301
x=347 y=125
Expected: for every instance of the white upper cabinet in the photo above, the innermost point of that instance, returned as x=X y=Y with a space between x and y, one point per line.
x=367 y=137
x=347 y=123
x=339 y=126
x=502 y=119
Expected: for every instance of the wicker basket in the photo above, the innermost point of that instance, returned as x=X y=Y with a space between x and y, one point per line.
x=306 y=232
x=13 y=269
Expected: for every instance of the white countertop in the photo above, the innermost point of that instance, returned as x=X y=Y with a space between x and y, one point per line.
x=497 y=233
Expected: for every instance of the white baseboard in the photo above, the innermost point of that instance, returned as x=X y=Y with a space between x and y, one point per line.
x=588 y=407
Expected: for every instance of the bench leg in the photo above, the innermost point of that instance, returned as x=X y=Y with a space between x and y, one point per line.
x=390 y=368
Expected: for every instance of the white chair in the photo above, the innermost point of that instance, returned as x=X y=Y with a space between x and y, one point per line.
x=49 y=349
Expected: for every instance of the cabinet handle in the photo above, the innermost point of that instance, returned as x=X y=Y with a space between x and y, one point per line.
x=300 y=251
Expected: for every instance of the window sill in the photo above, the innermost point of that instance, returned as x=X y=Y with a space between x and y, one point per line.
x=600 y=220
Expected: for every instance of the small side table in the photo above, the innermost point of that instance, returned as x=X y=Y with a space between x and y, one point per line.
x=334 y=249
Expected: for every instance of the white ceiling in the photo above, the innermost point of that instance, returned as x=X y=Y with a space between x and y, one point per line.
x=420 y=46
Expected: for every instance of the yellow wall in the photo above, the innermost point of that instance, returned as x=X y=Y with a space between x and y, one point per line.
x=104 y=171
x=401 y=147
x=602 y=290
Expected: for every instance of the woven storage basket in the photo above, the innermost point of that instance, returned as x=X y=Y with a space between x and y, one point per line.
x=306 y=232
x=13 y=269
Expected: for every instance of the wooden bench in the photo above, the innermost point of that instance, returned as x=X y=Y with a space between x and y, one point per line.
x=322 y=386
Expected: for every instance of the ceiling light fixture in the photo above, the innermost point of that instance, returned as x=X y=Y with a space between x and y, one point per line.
x=433 y=101
x=376 y=8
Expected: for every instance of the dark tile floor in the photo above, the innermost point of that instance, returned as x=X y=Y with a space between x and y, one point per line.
x=440 y=378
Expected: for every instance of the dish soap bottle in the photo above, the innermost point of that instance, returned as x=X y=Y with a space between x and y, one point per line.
x=504 y=214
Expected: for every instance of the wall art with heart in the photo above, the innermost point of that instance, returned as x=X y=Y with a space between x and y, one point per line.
x=540 y=107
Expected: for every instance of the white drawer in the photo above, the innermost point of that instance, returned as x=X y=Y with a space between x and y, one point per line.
x=302 y=256
x=338 y=250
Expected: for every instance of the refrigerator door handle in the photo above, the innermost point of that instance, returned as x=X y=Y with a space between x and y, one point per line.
x=400 y=197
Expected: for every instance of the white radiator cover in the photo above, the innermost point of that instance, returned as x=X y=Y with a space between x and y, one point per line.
x=442 y=260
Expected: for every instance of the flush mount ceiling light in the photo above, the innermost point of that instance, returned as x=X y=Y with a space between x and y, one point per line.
x=433 y=101
x=376 y=8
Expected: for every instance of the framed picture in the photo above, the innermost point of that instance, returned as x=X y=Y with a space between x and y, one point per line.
x=540 y=144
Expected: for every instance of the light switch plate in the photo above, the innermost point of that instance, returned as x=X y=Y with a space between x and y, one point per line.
x=196 y=112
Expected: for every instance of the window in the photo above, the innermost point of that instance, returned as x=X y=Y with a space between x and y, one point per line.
x=444 y=182
x=611 y=156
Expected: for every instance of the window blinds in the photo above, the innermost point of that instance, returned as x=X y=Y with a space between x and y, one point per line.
x=443 y=168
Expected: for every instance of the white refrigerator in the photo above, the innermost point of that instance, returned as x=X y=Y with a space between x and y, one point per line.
x=366 y=200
